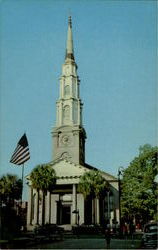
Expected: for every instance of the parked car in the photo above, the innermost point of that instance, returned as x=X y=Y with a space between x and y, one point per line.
x=150 y=235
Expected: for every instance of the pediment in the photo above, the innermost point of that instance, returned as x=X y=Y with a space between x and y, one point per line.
x=68 y=171
x=65 y=168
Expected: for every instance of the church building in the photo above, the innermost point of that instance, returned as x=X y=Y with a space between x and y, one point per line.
x=65 y=206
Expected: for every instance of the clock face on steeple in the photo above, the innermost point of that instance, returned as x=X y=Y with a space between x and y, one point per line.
x=65 y=139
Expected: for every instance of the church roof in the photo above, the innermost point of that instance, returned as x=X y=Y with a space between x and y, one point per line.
x=105 y=174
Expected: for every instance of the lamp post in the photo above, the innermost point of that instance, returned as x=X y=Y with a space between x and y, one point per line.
x=120 y=170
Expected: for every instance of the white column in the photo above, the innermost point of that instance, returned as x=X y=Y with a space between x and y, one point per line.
x=80 y=207
x=97 y=212
x=117 y=215
x=93 y=211
x=62 y=88
x=71 y=86
x=36 y=209
x=74 y=204
x=111 y=216
x=61 y=114
x=48 y=210
x=54 y=199
x=52 y=209
x=29 y=208
x=79 y=112
x=71 y=111
x=57 y=114
x=78 y=88
x=40 y=207
x=43 y=207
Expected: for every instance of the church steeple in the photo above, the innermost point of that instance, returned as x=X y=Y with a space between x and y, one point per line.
x=69 y=135
x=69 y=46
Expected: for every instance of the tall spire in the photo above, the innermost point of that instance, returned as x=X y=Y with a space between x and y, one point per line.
x=68 y=134
x=69 y=45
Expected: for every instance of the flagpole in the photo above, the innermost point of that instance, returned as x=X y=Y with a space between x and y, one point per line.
x=22 y=183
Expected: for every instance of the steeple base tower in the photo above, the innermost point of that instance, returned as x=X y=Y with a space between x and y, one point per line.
x=69 y=143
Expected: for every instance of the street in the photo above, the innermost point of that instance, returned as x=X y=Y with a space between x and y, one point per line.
x=91 y=243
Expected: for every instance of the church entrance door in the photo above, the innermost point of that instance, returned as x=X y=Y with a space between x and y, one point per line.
x=66 y=214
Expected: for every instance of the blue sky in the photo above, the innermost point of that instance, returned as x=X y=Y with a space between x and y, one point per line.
x=115 y=50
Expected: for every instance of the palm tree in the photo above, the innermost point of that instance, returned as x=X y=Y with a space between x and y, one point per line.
x=43 y=177
x=10 y=189
x=92 y=185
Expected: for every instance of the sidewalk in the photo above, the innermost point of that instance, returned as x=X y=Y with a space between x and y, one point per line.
x=92 y=243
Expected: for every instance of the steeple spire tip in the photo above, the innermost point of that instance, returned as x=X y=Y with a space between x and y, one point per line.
x=69 y=46
x=70 y=22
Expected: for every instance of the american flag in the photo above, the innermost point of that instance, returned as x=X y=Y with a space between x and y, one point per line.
x=21 y=153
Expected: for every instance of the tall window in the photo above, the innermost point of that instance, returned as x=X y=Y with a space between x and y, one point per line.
x=67 y=90
x=108 y=204
x=66 y=113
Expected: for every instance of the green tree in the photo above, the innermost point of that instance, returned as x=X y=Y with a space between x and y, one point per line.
x=43 y=177
x=138 y=189
x=92 y=185
x=10 y=189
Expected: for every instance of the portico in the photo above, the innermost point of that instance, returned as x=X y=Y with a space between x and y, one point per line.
x=65 y=206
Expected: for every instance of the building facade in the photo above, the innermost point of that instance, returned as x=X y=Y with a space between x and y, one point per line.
x=65 y=206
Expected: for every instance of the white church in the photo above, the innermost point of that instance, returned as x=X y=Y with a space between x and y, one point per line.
x=68 y=161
